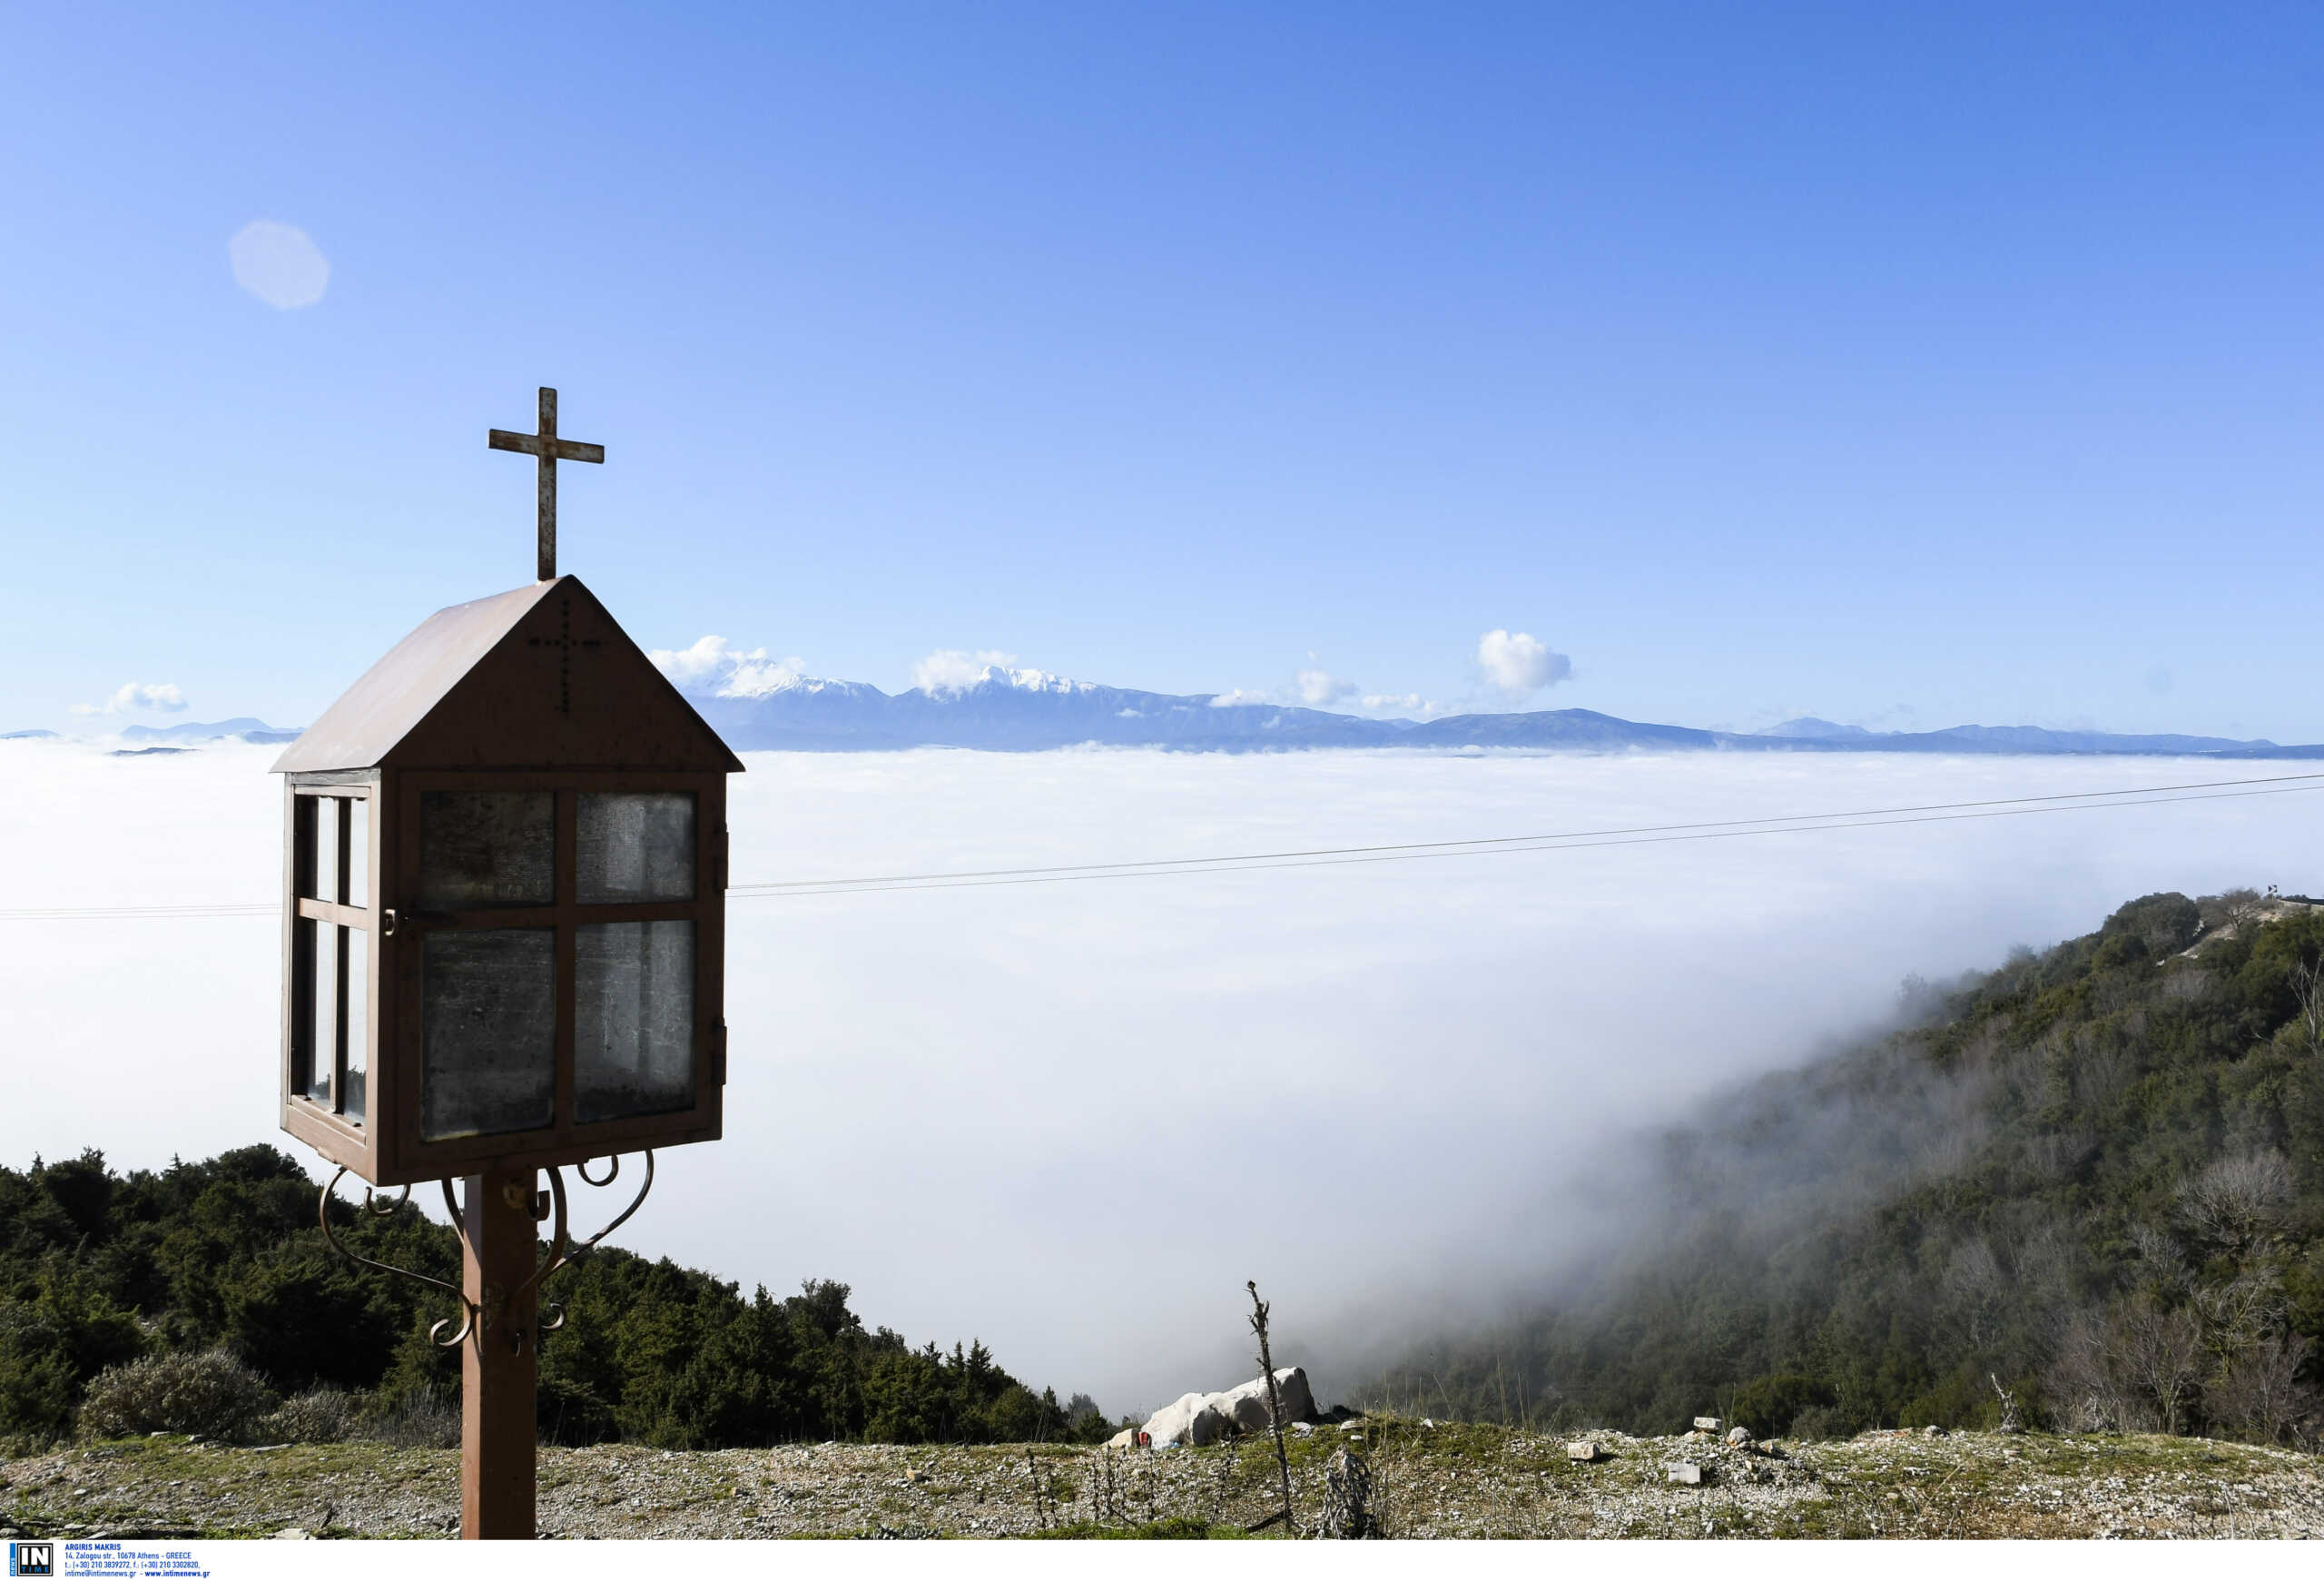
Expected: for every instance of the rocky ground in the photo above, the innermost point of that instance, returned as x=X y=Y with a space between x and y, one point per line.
x=1430 y=1481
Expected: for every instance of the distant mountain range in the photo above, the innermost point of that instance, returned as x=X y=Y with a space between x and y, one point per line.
x=182 y=734
x=1024 y=710
x=244 y=729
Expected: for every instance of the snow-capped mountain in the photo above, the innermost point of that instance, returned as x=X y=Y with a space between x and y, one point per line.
x=1016 y=710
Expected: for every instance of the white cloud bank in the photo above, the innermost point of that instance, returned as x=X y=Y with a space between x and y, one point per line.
x=1042 y=1114
x=1521 y=664
x=279 y=264
x=137 y=697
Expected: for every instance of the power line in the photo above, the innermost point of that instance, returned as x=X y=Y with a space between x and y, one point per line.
x=1351 y=855
x=63 y=914
x=1567 y=842
x=903 y=880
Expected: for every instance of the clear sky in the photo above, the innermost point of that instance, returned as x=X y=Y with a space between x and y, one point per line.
x=1906 y=366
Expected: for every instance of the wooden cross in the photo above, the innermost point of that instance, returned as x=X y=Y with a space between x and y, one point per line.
x=551 y=451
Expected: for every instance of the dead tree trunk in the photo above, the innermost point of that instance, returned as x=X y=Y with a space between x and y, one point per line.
x=1275 y=1401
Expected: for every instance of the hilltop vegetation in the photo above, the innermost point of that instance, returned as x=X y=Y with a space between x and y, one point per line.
x=2093 y=1178
x=98 y=1270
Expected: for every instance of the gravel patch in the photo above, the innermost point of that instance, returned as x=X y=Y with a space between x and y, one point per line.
x=1431 y=1481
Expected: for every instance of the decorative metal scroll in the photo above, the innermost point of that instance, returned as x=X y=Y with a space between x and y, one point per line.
x=562 y=1252
x=372 y=1206
x=484 y=1314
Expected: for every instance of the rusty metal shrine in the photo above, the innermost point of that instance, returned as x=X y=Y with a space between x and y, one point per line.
x=503 y=951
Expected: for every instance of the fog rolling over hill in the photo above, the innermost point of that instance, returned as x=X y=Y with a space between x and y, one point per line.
x=761 y=706
x=2093 y=1178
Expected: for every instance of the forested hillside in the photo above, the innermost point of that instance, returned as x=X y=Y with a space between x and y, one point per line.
x=2093 y=1178
x=98 y=1270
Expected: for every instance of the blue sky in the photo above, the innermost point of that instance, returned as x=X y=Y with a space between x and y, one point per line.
x=1908 y=367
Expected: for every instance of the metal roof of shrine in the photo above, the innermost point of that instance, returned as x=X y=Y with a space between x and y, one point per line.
x=538 y=678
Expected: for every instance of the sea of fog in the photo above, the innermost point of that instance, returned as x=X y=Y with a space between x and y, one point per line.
x=1072 y=1118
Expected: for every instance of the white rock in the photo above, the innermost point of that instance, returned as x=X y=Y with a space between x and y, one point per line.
x=1708 y=1424
x=1197 y=1420
x=1246 y=1403
x=1585 y=1450
x=1738 y=1436
x=1170 y=1424
x=1688 y=1473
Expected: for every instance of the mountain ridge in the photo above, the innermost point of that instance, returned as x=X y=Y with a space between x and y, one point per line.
x=1022 y=710
x=1028 y=710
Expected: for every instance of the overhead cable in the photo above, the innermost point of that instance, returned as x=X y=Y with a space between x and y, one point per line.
x=1350 y=856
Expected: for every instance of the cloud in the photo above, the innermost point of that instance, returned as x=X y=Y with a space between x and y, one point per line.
x=1239 y=698
x=713 y=667
x=1411 y=703
x=279 y=264
x=953 y=670
x=133 y=698
x=1321 y=688
x=691 y=668
x=1520 y=664
x=985 y=1054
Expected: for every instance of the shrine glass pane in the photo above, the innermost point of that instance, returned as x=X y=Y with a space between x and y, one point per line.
x=354 y=946
x=318 y=854
x=636 y=845
x=632 y=1049
x=487 y=1031
x=359 y=851
x=321 y=1009
x=485 y=849
x=302 y=847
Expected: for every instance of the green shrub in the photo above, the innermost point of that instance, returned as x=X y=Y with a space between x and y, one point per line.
x=54 y=1336
x=207 y=1393
x=1769 y=1406
x=319 y=1415
x=420 y=1419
